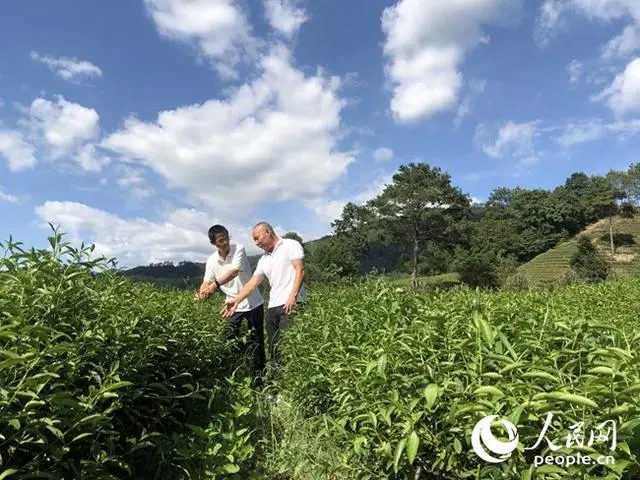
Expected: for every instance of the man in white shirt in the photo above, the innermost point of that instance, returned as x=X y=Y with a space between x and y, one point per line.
x=228 y=269
x=283 y=265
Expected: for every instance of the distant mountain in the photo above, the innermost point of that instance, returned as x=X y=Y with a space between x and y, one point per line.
x=186 y=274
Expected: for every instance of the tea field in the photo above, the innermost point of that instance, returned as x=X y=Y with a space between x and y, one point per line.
x=104 y=379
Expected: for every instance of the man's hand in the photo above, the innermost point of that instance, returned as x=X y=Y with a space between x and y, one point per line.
x=229 y=308
x=208 y=288
x=291 y=302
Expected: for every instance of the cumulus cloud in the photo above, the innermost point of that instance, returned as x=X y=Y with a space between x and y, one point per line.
x=273 y=139
x=68 y=68
x=60 y=125
x=330 y=210
x=625 y=44
x=513 y=139
x=180 y=235
x=54 y=129
x=285 y=16
x=382 y=154
x=425 y=45
x=19 y=153
x=217 y=29
x=623 y=95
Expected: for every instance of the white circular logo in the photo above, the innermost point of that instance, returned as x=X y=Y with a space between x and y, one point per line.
x=482 y=435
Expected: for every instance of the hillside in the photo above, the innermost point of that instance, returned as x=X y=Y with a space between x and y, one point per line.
x=553 y=264
x=187 y=274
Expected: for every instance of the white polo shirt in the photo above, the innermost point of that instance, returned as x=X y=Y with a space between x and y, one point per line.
x=278 y=269
x=236 y=259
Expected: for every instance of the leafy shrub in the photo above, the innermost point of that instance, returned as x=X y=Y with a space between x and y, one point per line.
x=588 y=262
x=395 y=381
x=517 y=281
x=100 y=378
x=479 y=270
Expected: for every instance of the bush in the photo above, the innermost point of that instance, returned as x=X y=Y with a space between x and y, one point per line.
x=588 y=263
x=478 y=270
x=104 y=379
x=517 y=281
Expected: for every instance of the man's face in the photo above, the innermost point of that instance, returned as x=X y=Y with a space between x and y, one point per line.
x=262 y=238
x=221 y=241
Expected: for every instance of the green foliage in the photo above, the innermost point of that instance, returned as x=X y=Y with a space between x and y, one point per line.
x=421 y=207
x=103 y=379
x=479 y=270
x=392 y=383
x=517 y=281
x=588 y=262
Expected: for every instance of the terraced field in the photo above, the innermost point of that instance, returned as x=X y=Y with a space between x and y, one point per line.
x=551 y=266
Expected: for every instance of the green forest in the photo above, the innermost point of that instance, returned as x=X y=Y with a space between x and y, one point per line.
x=423 y=225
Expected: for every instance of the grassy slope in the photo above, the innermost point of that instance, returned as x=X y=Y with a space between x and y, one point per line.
x=551 y=265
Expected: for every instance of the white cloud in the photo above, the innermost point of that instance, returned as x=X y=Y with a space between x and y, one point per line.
x=55 y=129
x=285 y=16
x=425 y=45
x=62 y=126
x=70 y=69
x=90 y=159
x=181 y=234
x=330 y=210
x=550 y=20
x=383 y=154
x=19 y=153
x=623 y=95
x=624 y=44
x=513 y=139
x=588 y=131
x=476 y=88
x=575 y=70
x=218 y=29
x=8 y=198
x=273 y=139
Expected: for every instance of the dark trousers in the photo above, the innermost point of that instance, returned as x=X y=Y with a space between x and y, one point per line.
x=277 y=322
x=255 y=322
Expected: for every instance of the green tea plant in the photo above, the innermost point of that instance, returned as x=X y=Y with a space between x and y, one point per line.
x=100 y=378
x=397 y=381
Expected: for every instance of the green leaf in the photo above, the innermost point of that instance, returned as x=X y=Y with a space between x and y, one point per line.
x=399 y=449
x=431 y=394
x=7 y=473
x=117 y=386
x=231 y=468
x=413 y=442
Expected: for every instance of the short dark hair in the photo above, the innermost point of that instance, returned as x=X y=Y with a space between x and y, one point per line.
x=216 y=229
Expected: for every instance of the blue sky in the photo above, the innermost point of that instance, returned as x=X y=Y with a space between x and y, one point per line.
x=136 y=125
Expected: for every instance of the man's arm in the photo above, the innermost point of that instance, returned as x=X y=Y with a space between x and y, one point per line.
x=298 y=265
x=208 y=285
x=250 y=286
x=237 y=264
x=296 y=256
x=230 y=306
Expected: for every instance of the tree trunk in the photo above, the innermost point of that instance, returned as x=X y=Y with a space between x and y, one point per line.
x=414 y=273
x=613 y=248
